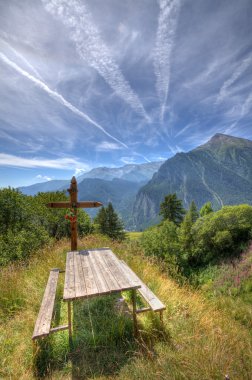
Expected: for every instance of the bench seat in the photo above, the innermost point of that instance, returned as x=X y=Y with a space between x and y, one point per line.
x=44 y=319
x=152 y=300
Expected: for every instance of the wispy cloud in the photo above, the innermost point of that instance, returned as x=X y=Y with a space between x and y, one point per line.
x=38 y=162
x=106 y=146
x=92 y=49
x=128 y=160
x=183 y=130
x=58 y=97
x=27 y=63
x=240 y=69
x=167 y=24
x=43 y=178
x=79 y=171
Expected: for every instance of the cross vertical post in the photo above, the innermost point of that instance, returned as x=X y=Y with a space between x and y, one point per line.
x=74 y=204
x=73 y=200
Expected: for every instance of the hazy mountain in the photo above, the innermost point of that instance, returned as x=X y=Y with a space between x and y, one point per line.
x=219 y=171
x=130 y=172
x=118 y=191
x=53 y=185
x=138 y=173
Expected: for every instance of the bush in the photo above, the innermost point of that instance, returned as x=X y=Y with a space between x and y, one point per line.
x=221 y=234
x=26 y=224
x=162 y=242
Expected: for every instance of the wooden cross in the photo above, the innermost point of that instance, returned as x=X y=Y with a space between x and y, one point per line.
x=74 y=204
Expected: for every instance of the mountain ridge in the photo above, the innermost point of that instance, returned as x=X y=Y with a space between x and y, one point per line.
x=219 y=171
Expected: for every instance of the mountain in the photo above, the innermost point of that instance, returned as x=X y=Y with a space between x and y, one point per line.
x=130 y=172
x=138 y=173
x=219 y=171
x=118 y=191
x=53 y=185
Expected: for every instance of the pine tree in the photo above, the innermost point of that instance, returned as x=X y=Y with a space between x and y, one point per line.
x=172 y=209
x=193 y=211
x=101 y=221
x=115 y=225
x=109 y=223
x=206 y=209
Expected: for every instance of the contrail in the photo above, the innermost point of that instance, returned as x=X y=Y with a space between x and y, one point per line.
x=167 y=25
x=236 y=74
x=59 y=98
x=92 y=49
x=28 y=64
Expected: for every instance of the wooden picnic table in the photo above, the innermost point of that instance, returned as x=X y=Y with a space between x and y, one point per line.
x=91 y=273
x=94 y=272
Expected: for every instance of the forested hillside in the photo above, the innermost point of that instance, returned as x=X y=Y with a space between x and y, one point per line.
x=219 y=171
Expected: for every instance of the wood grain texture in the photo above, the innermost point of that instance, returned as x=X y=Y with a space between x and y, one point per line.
x=43 y=323
x=95 y=272
x=146 y=293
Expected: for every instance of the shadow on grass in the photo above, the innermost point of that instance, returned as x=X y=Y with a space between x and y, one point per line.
x=103 y=338
x=102 y=343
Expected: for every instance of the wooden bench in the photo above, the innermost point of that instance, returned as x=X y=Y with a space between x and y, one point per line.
x=44 y=319
x=154 y=303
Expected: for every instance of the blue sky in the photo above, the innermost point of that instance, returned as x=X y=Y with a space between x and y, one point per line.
x=87 y=83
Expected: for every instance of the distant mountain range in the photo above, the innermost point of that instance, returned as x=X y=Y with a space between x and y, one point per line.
x=116 y=185
x=219 y=171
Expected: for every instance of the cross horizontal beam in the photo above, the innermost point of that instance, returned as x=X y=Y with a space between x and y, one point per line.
x=86 y=204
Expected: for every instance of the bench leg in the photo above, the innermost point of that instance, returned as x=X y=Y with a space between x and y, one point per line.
x=69 y=320
x=133 y=297
x=161 y=316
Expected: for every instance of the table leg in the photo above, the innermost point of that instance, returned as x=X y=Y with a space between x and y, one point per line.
x=133 y=297
x=69 y=320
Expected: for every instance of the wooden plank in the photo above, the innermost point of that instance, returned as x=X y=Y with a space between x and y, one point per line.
x=73 y=191
x=74 y=204
x=98 y=273
x=43 y=323
x=88 y=204
x=69 y=285
x=147 y=294
x=89 y=276
x=81 y=289
x=59 y=204
x=59 y=328
x=143 y=310
x=111 y=282
x=118 y=272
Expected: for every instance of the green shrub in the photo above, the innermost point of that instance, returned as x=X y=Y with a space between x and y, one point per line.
x=221 y=234
x=162 y=242
x=26 y=224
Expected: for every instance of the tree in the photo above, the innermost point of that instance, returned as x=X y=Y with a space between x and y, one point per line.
x=221 y=234
x=206 y=209
x=172 y=209
x=101 y=221
x=193 y=212
x=109 y=223
x=185 y=231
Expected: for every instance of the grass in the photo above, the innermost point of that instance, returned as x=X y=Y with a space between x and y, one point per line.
x=134 y=235
x=199 y=339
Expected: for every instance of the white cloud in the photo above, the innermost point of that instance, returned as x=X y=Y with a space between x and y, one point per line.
x=243 y=66
x=167 y=24
x=59 y=98
x=79 y=171
x=107 y=146
x=92 y=49
x=128 y=160
x=19 y=55
x=39 y=162
x=43 y=177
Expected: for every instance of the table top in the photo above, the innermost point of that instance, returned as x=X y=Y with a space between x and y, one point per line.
x=94 y=272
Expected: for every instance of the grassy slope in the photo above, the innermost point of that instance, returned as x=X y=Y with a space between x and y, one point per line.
x=199 y=341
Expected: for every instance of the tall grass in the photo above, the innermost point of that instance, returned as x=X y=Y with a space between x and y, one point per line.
x=198 y=339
